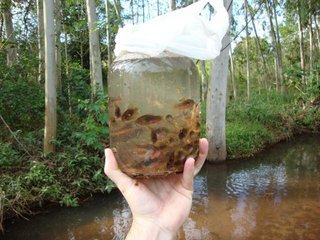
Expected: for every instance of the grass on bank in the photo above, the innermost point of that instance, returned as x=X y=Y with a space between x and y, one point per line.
x=266 y=119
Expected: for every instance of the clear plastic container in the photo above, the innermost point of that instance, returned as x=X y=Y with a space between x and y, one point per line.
x=154 y=113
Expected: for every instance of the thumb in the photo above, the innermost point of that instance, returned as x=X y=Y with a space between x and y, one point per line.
x=188 y=174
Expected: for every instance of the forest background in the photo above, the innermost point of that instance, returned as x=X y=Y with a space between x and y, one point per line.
x=55 y=56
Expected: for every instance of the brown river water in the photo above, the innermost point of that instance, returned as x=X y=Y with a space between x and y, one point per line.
x=275 y=195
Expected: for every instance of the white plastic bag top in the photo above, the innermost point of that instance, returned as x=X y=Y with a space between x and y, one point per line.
x=184 y=32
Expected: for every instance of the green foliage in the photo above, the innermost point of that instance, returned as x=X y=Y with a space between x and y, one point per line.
x=265 y=119
x=8 y=155
x=65 y=177
x=95 y=130
x=41 y=181
x=203 y=115
x=69 y=201
x=61 y=178
x=75 y=86
x=22 y=104
x=266 y=109
x=246 y=139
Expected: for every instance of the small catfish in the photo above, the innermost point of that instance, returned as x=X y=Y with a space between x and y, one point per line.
x=129 y=114
x=158 y=133
x=126 y=129
x=149 y=120
x=184 y=104
x=117 y=112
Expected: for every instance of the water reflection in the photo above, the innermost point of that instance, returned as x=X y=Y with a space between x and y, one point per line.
x=122 y=219
x=274 y=196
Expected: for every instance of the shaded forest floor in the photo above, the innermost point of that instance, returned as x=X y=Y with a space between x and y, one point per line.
x=29 y=179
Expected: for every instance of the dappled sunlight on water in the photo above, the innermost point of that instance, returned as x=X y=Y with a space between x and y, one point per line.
x=274 y=196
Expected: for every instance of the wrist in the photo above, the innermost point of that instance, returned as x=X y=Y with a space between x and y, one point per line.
x=141 y=229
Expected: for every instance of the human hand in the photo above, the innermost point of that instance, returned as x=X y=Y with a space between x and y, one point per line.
x=159 y=205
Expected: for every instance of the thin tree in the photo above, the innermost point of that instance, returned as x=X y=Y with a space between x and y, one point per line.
x=301 y=41
x=143 y=11
x=278 y=44
x=172 y=4
x=117 y=8
x=108 y=18
x=204 y=88
x=317 y=31
x=131 y=8
x=50 y=128
x=66 y=63
x=274 y=43
x=247 y=49
x=41 y=53
x=311 y=44
x=233 y=75
x=204 y=84
x=1 y=27
x=158 y=8
x=258 y=44
x=216 y=101
x=12 y=55
x=58 y=17
x=317 y=34
x=95 y=55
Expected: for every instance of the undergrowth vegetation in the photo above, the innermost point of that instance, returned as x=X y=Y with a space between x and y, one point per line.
x=28 y=178
x=268 y=118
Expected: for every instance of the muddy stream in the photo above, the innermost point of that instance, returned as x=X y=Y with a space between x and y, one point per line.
x=275 y=195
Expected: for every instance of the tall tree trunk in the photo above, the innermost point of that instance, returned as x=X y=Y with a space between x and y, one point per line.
x=50 y=128
x=137 y=11
x=95 y=55
x=131 y=8
x=117 y=7
x=172 y=4
x=41 y=54
x=274 y=43
x=1 y=28
x=158 y=8
x=233 y=75
x=109 y=37
x=317 y=30
x=143 y=12
x=247 y=50
x=66 y=60
x=278 y=45
x=204 y=83
x=301 y=40
x=311 y=44
x=12 y=55
x=203 y=80
x=58 y=16
x=311 y=47
x=259 y=74
x=258 y=44
x=216 y=101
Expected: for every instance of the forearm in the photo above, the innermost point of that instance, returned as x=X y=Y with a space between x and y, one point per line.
x=149 y=231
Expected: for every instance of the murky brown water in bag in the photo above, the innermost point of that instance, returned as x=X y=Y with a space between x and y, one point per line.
x=273 y=196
